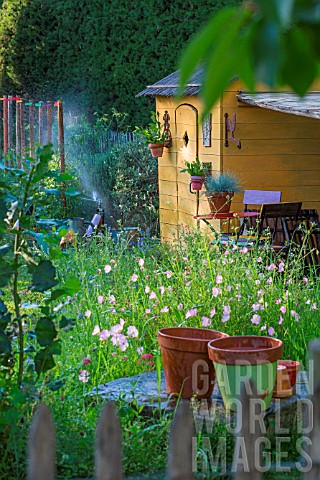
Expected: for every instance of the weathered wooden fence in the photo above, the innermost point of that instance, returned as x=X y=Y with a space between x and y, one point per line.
x=108 y=457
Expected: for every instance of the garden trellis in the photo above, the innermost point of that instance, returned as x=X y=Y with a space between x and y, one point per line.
x=30 y=117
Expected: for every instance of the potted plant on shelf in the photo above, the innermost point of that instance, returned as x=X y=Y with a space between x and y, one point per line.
x=220 y=191
x=187 y=368
x=197 y=173
x=154 y=135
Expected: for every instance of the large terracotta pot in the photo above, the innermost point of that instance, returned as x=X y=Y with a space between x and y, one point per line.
x=156 y=149
x=219 y=202
x=235 y=358
x=197 y=181
x=187 y=368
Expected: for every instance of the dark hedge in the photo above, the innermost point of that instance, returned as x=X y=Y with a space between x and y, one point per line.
x=95 y=54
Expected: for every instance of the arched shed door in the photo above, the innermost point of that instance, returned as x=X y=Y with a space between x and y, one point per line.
x=187 y=131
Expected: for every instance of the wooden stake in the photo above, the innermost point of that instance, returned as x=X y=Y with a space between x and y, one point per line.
x=41 y=136
x=61 y=146
x=31 y=130
x=49 y=124
x=9 y=123
x=22 y=131
x=5 y=126
x=18 y=135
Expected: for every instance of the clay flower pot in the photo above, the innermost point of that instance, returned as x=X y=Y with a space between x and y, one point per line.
x=219 y=202
x=282 y=386
x=197 y=181
x=235 y=358
x=293 y=368
x=156 y=149
x=187 y=368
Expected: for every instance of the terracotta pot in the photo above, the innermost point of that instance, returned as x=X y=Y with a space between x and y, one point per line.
x=197 y=181
x=187 y=368
x=293 y=368
x=156 y=149
x=219 y=202
x=235 y=358
x=282 y=386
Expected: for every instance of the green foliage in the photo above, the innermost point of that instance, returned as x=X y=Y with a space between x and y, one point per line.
x=101 y=54
x=135 y=192
x=224 y=182
x=154 y=132
x=269 y=42
x=195 y=168
x=20 y=188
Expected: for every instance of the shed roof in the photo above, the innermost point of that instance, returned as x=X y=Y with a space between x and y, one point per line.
x=168 y=86
x=287 y=102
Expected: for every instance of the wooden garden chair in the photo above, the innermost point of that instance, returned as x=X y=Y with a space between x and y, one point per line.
x=307 y=238
x=275 y=227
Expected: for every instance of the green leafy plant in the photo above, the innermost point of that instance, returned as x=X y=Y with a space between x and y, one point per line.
x=223 y=182
x=267 y=42
x=154 y=132
x=195 y=168
x=20 y=188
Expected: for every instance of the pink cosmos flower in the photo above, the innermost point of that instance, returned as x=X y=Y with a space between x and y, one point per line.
x=112 y=299
x=219 y=279
x=152 y=295
x=113 y=261
x=169 y=274
x=116 y=329
x=86 y=360
x=107 y=268
x=257 y=282
x=147 y=289
x=281 y=267
x=96 y=330
x=305 y=280
x=134 y=277
x=84 y=376
x=100 y=299
x=228 y=288
x=140 y=350
x=243 y=250
x=162 y=289
x=114 y=311
x=180 y=306
x=271 y=267
x=283 y=309
x=269 y=281
x=104 y=335
x=87 y=313
x=256 y=319
x=295 y=315
x=148 y=310
x=264 y=327
x=280 y=321
x=314 y=307
x=192 y=313
x=140 y=262
x=271 y=331
x=213 y=312
x=215 y=291
x=164 y=309
x=277 y=301
x=132 y=332
x=206 y=322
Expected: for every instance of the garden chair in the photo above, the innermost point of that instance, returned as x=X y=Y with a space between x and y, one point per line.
x=253 y=198
x=307 y=238
x=276 y=227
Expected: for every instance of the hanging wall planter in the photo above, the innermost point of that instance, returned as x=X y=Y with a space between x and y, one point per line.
x=156 y=149
x=245 y=356
x=197 y=182
x=187 y=368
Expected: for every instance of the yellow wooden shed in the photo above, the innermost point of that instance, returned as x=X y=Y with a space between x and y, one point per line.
x=275 y=145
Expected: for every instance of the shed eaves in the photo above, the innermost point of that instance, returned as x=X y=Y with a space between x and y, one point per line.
x=286 y=102
x=168 y=86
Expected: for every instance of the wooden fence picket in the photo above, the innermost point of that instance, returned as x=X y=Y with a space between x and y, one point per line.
x=180 y=446
x=314 y=448
x=247 y=437
x=108 y=445
x=41 y=446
